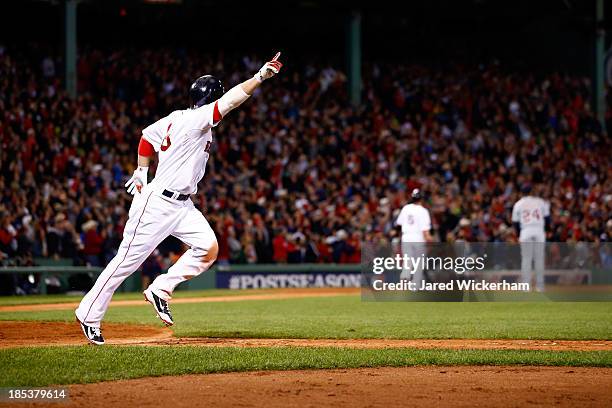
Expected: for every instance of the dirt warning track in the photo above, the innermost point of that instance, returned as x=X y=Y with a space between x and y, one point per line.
x=261 y=295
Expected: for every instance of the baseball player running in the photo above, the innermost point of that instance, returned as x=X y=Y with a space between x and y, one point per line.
x=415 y=223
x=530 y=216
x=163 y=207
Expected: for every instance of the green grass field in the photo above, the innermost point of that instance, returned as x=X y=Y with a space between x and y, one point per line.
x=84 y=364
x=321 y=317
x=349 y=317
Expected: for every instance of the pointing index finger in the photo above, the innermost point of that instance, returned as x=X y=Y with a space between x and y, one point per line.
x=276 y=56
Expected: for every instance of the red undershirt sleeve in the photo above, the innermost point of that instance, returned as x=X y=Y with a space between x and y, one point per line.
x=145 y=148
x=216 y=113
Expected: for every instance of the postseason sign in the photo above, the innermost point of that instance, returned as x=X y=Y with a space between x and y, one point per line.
x=486 y=271
x=290 y=279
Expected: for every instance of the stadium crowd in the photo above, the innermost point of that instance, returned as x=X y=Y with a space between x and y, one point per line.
x=297 y=174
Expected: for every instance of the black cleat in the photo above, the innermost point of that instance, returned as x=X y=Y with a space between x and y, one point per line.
x=93 y=334
x=160 y=306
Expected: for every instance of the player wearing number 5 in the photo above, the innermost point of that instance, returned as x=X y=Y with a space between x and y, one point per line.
x=414 y=223
x=182 y=141
x=531 y=216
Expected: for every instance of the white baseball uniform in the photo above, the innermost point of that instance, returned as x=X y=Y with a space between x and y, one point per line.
x=414 y=220
x=183 y=140
x=530 y=212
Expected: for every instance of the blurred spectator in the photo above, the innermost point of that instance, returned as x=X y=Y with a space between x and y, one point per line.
x=8 y=243
x=298 y=175
x=281 y=247
x=92 y=245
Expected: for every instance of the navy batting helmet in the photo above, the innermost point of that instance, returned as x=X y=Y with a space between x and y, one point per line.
x=204 y=90
x=416 y=194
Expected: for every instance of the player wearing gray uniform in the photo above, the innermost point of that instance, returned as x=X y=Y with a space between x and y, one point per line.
x=530 y=216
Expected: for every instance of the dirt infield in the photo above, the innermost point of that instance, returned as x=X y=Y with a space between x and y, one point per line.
x=462 y=386
x=365 y=387
x=261 y=295
x=23 y=333
x=457 y=344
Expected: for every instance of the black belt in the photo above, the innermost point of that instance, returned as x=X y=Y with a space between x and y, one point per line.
x=170 y=194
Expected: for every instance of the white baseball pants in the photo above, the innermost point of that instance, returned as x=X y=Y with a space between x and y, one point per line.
x=152 y=218
x=413 y=250
x=532 y=254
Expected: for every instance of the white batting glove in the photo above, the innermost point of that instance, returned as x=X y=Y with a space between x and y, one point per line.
x=269 y=69
x=138 y=180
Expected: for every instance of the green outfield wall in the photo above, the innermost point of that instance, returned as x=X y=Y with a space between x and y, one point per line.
x=48 y=276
